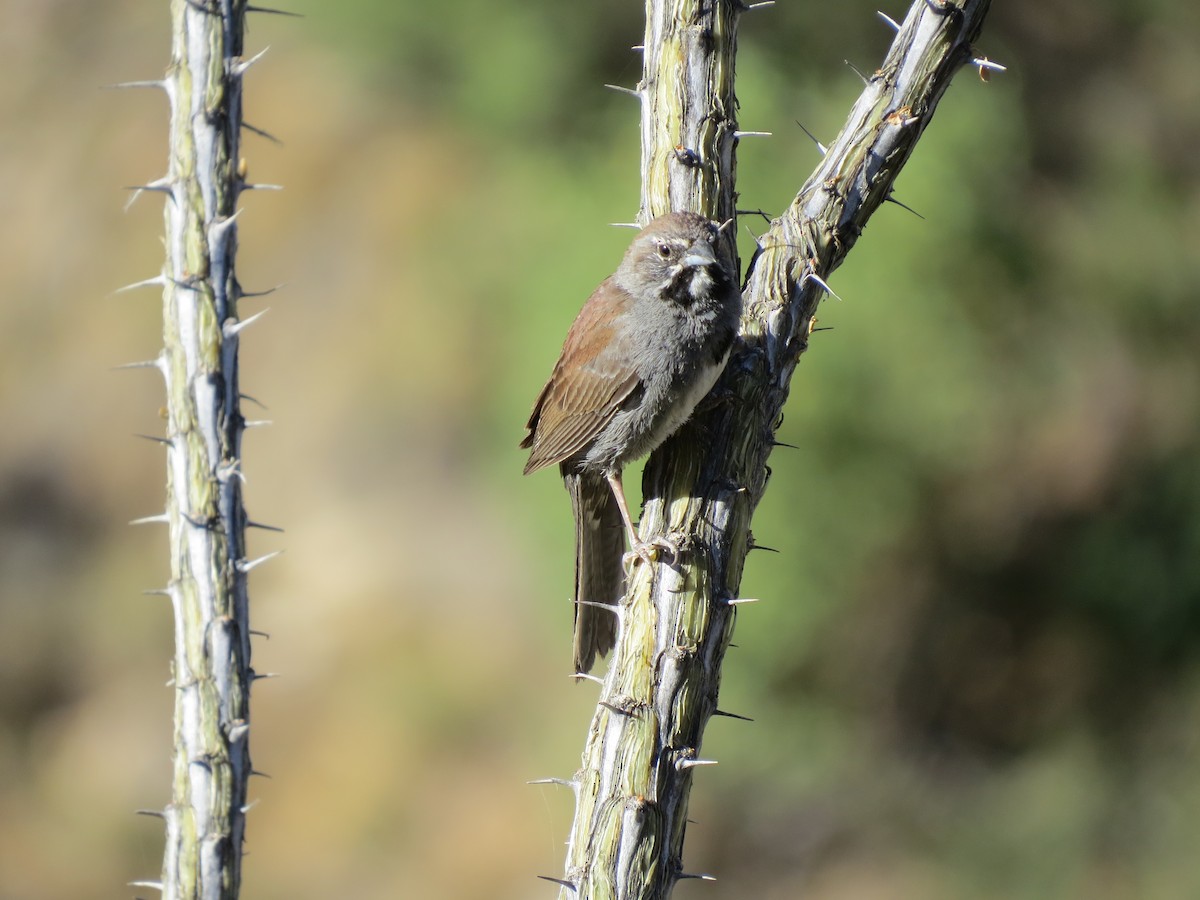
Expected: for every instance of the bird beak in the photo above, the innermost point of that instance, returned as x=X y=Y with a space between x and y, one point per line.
x=699 y=256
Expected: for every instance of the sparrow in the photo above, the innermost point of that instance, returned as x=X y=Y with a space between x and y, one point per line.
x=646 y=347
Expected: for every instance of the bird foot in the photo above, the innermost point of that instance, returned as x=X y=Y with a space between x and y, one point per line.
x=649 y=551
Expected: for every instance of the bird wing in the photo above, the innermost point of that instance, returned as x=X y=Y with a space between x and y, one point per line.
x=590 y=383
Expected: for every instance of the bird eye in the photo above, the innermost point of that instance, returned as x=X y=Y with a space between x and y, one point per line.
x=664 y=250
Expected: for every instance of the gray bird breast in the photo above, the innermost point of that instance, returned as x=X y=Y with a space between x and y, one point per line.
x=679 y=353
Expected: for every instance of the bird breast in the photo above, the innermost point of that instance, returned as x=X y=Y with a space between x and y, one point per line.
x=676 y=367
x=679 y=408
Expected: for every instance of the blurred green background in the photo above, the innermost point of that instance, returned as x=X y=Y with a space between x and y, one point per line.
x=976 y=669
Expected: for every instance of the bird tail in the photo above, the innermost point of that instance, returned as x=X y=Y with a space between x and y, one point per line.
x=599 y=570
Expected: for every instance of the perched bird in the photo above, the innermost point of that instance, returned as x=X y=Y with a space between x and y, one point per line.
x=646 y=347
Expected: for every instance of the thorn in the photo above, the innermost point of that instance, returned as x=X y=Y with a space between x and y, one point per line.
x=160 y=84
x=813 y=276
x=238 y=69
x=986 y=67
x=820 y=147
x=156 y=439
x=895 y=25
x=742 y=134
x=857 y=71
x=784 y=444
x=244 y=566
x=250 y=523
x=266 y=134
x=760 y=5
x=625 y=225
x=891 y=199
x=254 y=676
x=156 y=281
x=702 y=876
x=681 y=764
x=253 y=400
x=984 y=63
x=260 y=774
x=243 y=294
x=249 y=806
x=638 y=48
x=729 y=715
x=157 y=592
x=231 y=469
x=151 y=520
x=238 y=732
x=624 y=90
x=754 y=546
x=161 y=185
x=257 y=423
x=611 y=607
x=274 y=12
x=155 y=813
x=823 y=328
x=153 y=885
x=901 y=117
x=233 y=328
x=261 y=634
x=247 y=186
x=737 y=601
x=217 y=229
x=562 y=782
x=567 y=884
x=587 y=677
x=155 y=363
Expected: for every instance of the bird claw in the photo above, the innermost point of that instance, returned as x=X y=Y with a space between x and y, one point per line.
x=648 y=552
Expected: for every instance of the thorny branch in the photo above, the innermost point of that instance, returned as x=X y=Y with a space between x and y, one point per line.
x=677 y=617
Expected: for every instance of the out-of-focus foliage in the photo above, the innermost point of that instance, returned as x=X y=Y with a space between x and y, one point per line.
x=974 y=673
